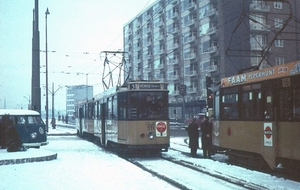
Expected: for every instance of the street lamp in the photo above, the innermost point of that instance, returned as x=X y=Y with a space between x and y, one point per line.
x=46 y=13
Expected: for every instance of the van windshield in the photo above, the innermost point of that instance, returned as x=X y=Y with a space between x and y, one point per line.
x=34 y=120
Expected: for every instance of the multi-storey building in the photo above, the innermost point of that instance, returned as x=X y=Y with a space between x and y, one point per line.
x=77 y=93
x=183 y=41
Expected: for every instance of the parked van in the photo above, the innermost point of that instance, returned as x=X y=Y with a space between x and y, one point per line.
x=29 y=125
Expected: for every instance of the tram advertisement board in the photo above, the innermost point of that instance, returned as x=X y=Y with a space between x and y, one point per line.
x=263 y=74
x=268 y=139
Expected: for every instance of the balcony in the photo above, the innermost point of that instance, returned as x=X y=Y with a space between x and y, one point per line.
x=149 y=43
x=259 y=7
x=174 y=2
x=172 y=61
x=212 y=30
x=146 y=70
x=189 y=39
x=174 y=92
x=211 y=68
x=191 y=6
x=190 y=73
x=259 y=27
x=173 y=77
x=190 y=56
x=257 y=46
x=189 y=22
x=211 y=49
x=174 y=15
x=191 y=90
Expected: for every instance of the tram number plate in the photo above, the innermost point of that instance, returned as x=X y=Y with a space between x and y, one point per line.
x=286 y=82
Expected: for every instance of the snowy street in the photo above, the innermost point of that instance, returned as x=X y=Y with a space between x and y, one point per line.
x=83 y=165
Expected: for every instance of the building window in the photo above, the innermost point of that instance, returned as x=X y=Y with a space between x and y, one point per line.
x=279 y=60
x=278 y=22
x=278 y=5
x=278 y=43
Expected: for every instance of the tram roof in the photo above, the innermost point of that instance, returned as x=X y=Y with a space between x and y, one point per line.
x=292 y=68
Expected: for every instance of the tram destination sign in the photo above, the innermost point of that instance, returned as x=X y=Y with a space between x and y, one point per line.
x=149 y=86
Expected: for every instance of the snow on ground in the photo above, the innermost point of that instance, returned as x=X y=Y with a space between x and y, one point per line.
x=83 y=165
x=79 y=165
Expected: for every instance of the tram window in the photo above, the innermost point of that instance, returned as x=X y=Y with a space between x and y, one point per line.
x=251 y=107
x=90 y=110
x=296 y=106
x=285 y=109
x=114 y=114
x=132 y=104
x=230 y=106
x=216 y=106
x=153 y=105
x=268 y=113
x=122 y=105
x=109 y=108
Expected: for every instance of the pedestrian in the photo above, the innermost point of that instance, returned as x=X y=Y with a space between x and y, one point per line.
x=206 y=138
x=193 y=137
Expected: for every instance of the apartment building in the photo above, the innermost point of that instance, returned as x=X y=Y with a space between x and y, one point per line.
x=77 y=93
x=183 y=41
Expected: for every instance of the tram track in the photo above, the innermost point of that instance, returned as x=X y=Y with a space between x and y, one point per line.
x=230 y=179
x=222 y=158
x=180 y=168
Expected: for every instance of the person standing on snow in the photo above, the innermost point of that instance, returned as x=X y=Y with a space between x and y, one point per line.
x=206 y=129
x=193 y=137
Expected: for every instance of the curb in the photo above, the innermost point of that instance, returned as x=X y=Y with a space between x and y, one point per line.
x=11 y=161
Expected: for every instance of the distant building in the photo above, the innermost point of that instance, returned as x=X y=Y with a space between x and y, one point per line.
x=183 y=41
x=76 y=93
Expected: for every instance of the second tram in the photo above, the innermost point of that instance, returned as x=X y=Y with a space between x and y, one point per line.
x=133 y=116
x=257 y=116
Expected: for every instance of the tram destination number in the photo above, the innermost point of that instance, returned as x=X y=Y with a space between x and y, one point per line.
x=286 y=82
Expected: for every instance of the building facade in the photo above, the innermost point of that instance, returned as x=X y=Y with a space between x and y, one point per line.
x=76 y=93
x=183 y=41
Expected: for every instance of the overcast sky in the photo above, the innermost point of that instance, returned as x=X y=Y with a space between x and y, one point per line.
x=78 y=30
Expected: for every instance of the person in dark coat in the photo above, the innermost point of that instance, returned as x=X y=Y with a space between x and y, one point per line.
x=193 y=136
x=206 y=129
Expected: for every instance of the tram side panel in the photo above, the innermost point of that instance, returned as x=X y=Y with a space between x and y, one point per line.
x=289 y=140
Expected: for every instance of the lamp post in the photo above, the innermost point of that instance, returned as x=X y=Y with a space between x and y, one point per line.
x=47 y=122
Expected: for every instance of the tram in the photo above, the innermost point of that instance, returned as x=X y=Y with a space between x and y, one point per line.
x=257 y=116
x=133 y=116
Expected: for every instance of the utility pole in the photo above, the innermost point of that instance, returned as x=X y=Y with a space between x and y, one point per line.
x=53 y=121
x=35 y=76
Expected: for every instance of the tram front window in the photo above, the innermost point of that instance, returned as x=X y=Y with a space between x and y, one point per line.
x=149 y=105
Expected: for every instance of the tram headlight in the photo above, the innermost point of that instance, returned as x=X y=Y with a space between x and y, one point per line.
x=33 y=135
x=150 y=135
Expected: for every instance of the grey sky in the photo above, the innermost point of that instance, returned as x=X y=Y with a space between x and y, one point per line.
x=78 y=30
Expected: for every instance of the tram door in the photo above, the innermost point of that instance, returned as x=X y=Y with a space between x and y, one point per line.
x=103 y=114
x=80 y=120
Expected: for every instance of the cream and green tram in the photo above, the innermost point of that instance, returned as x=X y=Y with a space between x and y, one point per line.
x=133 y=116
